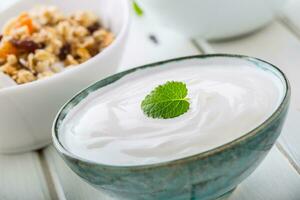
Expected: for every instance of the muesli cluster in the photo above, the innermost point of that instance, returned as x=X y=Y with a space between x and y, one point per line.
x=44 y=41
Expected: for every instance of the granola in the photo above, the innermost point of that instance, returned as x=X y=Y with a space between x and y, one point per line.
x=44 y=41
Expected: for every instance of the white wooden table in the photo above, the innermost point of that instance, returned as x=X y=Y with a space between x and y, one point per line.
x=43 y=175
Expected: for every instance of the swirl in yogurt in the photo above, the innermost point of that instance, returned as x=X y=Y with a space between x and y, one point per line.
x=109 y=126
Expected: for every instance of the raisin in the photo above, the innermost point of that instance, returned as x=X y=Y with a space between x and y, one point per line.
x=1 y=36
x=94 y=27
x=25 y=45
x=77 y=57
x=64 y=51
x=42 y=45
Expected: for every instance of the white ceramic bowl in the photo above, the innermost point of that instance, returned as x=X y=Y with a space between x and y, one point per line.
x=212 y=19
x=27 y=111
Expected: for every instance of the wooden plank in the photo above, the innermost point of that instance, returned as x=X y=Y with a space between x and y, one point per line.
x=274 y=179
x=149 y=43
x=141 y=49
x=291 y=16
x=277 y=45
x=67 y=184
x=21 y=177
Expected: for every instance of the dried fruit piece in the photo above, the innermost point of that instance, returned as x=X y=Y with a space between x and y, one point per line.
x=94 y=27
x=64 y=51
x=26 y=45
x=6 y=48
x=23 y=20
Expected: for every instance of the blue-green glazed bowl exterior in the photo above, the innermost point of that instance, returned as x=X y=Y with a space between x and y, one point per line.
x=206 y=176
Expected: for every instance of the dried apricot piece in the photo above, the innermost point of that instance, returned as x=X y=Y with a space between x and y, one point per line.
x=23 y=20
x=7 y=48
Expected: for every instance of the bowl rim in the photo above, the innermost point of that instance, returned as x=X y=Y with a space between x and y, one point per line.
x=108 y=50
x=285 y=100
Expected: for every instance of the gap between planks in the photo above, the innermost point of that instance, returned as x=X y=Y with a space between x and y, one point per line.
x=52 y=183
x=288 y=157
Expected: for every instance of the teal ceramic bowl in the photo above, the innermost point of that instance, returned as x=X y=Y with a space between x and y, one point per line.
x=210 y=175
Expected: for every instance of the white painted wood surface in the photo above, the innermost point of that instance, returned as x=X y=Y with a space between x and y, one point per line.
x=274 y=179
x=21 y=177
x=43 y=175
x=67 y=184
x=141 y=50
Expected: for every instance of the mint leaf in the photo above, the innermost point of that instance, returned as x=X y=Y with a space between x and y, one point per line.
x=137 y=9
x=166 y=101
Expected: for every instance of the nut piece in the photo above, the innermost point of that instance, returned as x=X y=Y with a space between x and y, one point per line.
x=70 y=61
x=8 y=69
x=12 y=59
x=24 y=76
x=45 y=74
x=83 y=53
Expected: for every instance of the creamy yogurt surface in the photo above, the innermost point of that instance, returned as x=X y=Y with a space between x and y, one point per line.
x=226 y=102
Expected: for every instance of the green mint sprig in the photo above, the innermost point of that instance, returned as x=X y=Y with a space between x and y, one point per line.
x=137 y=9
x=166 y=101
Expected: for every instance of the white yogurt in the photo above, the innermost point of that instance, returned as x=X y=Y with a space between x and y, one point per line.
x=109 y=126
